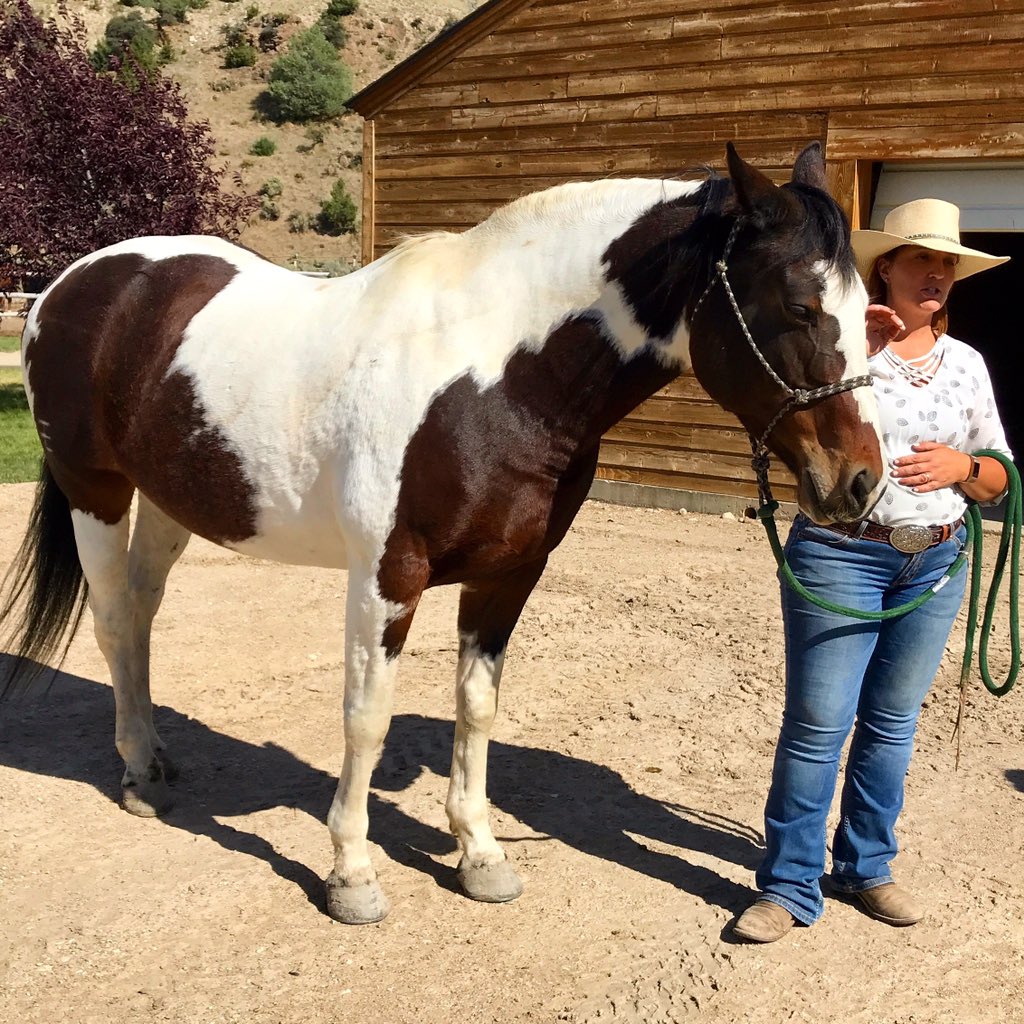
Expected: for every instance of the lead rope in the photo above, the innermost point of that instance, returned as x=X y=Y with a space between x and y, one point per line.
x=1009 y=538
x=1009 y=544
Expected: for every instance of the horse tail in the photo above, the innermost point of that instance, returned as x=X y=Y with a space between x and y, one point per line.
x=44 y=591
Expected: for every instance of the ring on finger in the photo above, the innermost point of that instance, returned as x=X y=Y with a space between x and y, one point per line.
x=927 y=478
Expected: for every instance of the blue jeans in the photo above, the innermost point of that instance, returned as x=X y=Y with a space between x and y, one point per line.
x=838 y=670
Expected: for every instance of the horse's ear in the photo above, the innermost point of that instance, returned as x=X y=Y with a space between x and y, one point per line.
x=759 y=197
x=809 y=168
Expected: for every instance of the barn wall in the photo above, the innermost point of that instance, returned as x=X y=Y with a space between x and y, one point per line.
x=562 y=91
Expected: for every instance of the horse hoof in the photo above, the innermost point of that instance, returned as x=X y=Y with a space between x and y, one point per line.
x=147 y=799
x=489 y=883
x=355 y=904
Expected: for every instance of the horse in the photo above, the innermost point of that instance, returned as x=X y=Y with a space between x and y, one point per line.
x=433 y=418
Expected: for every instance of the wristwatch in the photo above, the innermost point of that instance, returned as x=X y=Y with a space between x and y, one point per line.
x=975 y=470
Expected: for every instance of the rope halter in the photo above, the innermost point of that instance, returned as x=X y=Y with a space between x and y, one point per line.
x=795 y=397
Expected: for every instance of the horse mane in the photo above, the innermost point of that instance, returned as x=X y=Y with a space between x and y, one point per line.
x=704 y=209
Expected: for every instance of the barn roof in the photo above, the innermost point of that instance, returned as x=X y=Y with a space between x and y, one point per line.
x=434 y=55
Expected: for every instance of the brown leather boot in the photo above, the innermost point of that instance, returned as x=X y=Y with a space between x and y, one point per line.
x=891 y=904
x=763 y=921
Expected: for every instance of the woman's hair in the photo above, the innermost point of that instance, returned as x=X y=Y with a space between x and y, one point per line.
x=878 y=292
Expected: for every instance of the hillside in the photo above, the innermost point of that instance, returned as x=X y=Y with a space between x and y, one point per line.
x=381 y=33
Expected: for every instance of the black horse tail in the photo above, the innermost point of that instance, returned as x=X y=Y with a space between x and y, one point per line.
x=44 y=591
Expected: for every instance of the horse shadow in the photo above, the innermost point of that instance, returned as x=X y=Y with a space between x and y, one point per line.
x=68 y=733
x=1015 y=777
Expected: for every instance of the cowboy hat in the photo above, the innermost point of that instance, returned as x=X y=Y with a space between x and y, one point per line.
x=931 y=223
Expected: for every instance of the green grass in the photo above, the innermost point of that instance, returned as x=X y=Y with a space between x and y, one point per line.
x=10 y=343
x=19 y=444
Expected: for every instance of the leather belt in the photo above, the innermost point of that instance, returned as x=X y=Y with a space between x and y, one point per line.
x=907 y=539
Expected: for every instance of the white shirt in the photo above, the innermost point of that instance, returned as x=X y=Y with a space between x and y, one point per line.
x=956 y=408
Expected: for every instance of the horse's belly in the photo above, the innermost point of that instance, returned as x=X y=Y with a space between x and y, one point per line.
x=296 y=540
x=296 y=548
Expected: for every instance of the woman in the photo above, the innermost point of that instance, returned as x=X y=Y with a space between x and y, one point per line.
x=936 y=408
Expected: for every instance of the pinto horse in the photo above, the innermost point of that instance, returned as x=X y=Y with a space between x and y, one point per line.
x=433 y=418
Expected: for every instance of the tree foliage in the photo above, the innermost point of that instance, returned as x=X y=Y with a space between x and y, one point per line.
x=341 y=8
x=87 y=159
x=128 y=40
x=337 y=214
x=308 y=82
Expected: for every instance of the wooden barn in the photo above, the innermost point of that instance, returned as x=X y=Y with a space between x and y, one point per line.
x=909 y=99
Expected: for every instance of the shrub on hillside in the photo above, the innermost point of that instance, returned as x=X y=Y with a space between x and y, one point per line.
x=128 y=39
x=269 y=37
x=171 y=12
x=308 y=82
x=237 y=34
x=333 y=30
x=263 y=146
x=341 y=8
x=243 y=56
x=337 y=213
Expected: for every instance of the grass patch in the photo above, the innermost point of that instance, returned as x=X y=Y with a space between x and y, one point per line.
x=20 y=451
x=10 y=343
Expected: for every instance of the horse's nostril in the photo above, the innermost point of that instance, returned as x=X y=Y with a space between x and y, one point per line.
x=862 y=485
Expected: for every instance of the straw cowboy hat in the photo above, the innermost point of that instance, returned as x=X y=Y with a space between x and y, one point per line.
x=932 y=223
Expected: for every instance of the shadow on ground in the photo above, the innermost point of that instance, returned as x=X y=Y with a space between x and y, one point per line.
x=67 y=732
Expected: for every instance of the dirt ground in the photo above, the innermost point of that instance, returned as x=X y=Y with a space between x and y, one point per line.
x=640 y=703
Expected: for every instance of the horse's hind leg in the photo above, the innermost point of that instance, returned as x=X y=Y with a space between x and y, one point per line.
x=375 y=630
x=103 y=552
x=157 y=543
x=488 y=612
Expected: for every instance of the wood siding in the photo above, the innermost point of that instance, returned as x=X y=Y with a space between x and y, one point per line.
x=545 y=92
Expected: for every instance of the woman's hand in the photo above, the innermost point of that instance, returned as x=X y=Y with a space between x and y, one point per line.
x=882 y=325
x=931 y=467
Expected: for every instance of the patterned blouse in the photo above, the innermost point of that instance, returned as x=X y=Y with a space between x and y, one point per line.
x=956 y=408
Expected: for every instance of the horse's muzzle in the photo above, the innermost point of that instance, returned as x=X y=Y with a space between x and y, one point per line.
x=850 y=498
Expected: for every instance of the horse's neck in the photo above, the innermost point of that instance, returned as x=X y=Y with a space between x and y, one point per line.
x=596 y=360
x=524 y=302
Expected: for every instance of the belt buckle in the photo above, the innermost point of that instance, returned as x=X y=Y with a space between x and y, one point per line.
x=911 y=539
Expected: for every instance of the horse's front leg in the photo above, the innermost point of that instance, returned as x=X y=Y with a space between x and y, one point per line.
x=488 y=613
x=375 y=630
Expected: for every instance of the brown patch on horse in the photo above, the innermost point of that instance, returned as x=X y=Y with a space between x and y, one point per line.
x=516 y=461
x=112 y=419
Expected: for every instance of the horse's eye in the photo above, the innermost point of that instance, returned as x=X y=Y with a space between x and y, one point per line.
x=803 y=313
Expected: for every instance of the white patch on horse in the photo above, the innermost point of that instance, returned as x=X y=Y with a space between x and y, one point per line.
x=847 y=302
x=629 y=337
x=476 y=704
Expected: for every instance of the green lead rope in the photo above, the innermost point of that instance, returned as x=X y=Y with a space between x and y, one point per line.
x=1009 y=543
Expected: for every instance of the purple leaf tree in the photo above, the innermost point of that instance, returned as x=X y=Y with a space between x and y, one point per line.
x=87 y=160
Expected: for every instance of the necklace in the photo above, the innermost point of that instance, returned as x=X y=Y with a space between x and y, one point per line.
x=920 y=370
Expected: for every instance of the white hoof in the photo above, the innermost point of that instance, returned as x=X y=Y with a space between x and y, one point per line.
x=355 y=904
x=489 y=883
x=146 y=799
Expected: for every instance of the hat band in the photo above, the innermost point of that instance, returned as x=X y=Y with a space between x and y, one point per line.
x=944 y=238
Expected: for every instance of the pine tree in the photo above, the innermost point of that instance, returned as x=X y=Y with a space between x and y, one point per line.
x=309 y=82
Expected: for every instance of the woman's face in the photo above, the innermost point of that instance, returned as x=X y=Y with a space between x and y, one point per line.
x=917 y=279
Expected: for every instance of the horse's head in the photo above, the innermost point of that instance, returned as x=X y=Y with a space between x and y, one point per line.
x=792 y=272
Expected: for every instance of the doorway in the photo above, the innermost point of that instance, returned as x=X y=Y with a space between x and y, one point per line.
x=983 y=312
